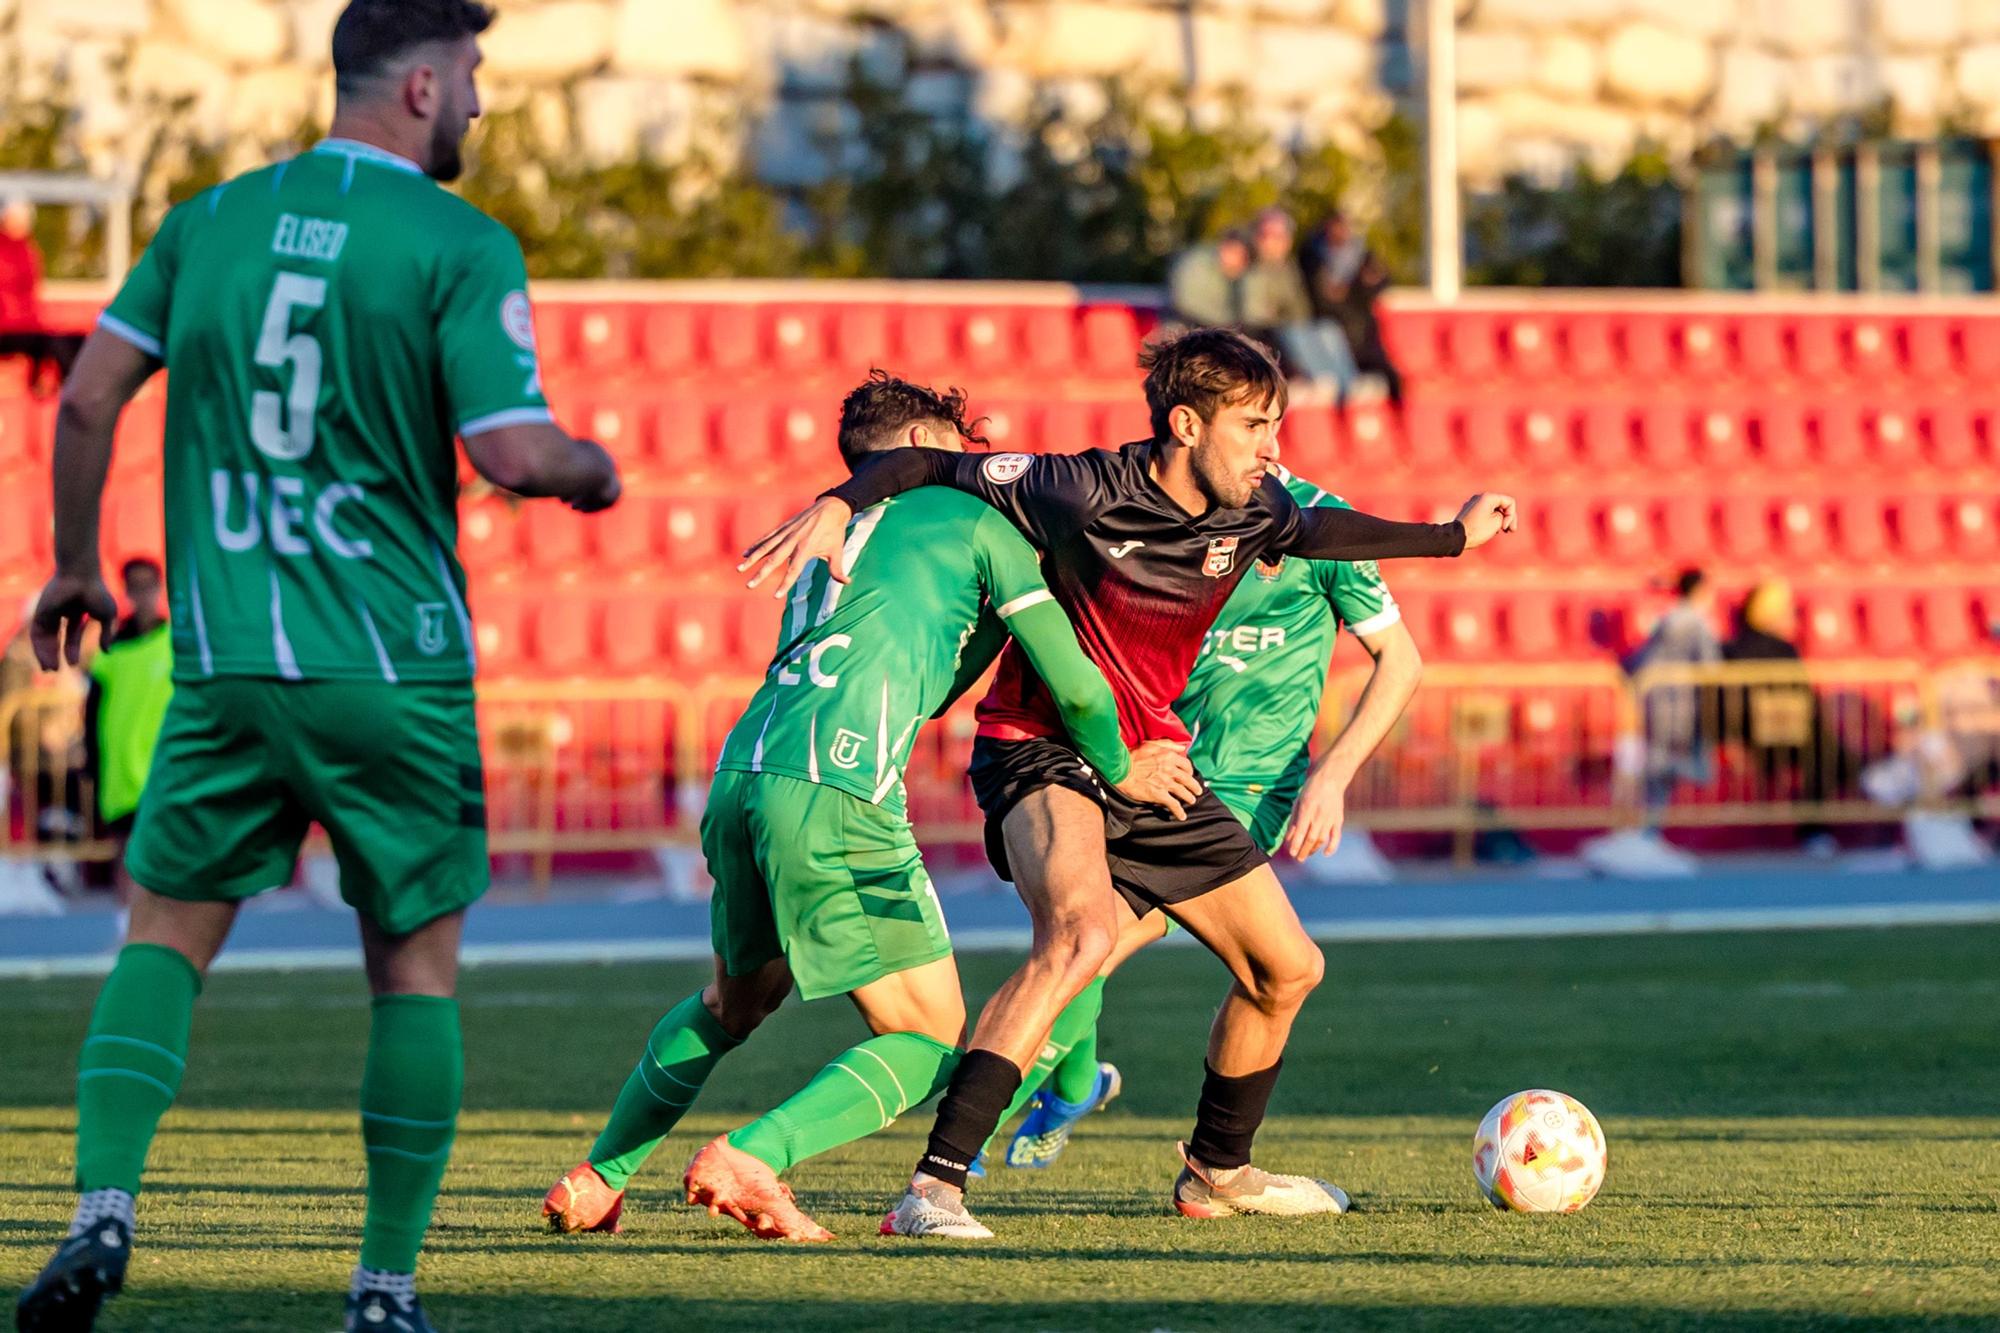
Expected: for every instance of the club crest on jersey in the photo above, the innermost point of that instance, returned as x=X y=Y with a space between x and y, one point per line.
x=518 y=319
x=1003 y=468
x=1269 y=570
x=1221 y=557
x=846 y=748
x=430 y=628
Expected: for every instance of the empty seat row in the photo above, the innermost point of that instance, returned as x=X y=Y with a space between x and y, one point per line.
x=785 y=339
x=573 y=632
x=1652 y=347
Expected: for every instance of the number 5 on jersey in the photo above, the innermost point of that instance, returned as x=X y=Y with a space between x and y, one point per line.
x=275 y=432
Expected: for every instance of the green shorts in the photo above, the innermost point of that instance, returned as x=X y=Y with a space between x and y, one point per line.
x=1265 y=811
x=245 y=766
x=818 y=876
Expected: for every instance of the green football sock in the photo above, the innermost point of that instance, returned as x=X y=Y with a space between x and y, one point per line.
x=861 y=1092
x=1076 y=1076
x=683 y=1049
x=131 y=1062
x=1075 y=1026
x=410 y=1090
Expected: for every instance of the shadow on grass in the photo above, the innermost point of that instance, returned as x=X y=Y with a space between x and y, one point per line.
x=171 y=1309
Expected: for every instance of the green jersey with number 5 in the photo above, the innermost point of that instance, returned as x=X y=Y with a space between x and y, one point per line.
x=329 y=324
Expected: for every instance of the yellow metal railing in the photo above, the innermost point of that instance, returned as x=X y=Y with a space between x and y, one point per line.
x=598 y=767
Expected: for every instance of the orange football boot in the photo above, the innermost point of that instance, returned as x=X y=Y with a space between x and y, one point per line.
x=581 y=1201
x=725 y=1179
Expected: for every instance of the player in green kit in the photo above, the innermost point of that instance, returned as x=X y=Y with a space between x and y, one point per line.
x=1251 y=705
x=330 y=323
x=818 y=882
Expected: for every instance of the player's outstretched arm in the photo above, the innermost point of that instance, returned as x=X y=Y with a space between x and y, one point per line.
x=1348 y=534
x=1321 y=810
x=108 y=371
x=818 y=531
x=539 y=459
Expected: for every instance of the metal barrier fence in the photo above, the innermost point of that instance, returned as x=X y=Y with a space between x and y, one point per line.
x=576 y=769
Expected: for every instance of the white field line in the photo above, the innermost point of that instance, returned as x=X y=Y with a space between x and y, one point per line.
x=1015 y=940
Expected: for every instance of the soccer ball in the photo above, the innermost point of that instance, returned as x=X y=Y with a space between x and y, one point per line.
x=1539 y=1152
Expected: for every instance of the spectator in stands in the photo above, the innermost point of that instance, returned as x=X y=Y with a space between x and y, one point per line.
x=131 y=680
x=22 y=329
x=1205 y=287
x=44 y=745
x=1675 y=745
x=1346 y=279
x=1277 y=308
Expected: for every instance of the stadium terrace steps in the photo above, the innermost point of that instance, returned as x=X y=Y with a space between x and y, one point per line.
x=1839 y=443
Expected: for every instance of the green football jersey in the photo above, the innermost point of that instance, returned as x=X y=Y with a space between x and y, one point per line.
x=860 y=666
x=328 y=325
x=1253 y=699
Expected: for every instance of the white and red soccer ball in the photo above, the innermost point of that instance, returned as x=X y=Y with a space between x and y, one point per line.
x=1539 y=1152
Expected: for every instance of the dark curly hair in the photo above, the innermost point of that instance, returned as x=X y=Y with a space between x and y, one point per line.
x=1208 y=369
x=371 y=34
x=877 y=412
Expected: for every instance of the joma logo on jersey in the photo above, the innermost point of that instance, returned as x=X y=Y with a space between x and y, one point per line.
x=845 y=752
x=285 y=519
x=1221 y=556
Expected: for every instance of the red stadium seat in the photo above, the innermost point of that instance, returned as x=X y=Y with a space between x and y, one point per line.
x=807 y=430
x=1569 y=535
x=1009 y=425
x=1123 y=420
x=624 y=537
x=134 y=526
x=1704 y=351
x=1746 y=526
x=1108 y=341
x=1048 y=340
x=986 y=338
x=1723 y=440
x=1918 y=525
x=1472 y=345
x=1952 y=437
x=1893 y=438
x=1872 y=350
x=499 y=627
x=606 y=338
x=1465 y=627
x=924 y=342
x=750 y=517
x=690 y=531
x=1761 y=354
x=695 y=636
x=860 y=338
x=798 y=338
x=1687 y=532
x=618 y=421
x=1607 y=436
x=1663 y=431
x=1836 y=429
x=680 y=443
x=562 y=633
x=1828 y=621
x=24 y=532
x=1412 y=339
x=1979 y=347
x=1069 y=427
x=1949 y=621
x=1782 y=441
x=667 y=340
x=1974 y=532
x=1544 y=439
x=732 y=338
x=1648 y=351
x=1483 y=436
x=1373 y=437
x=743 y=438
x=1432 y=427
x=753 y=630
x=20 y=444
x=1534 y=629
x=1589 y=349
x=631 y=629
x=1816 y=348
x=1802 y=529
x=1859 y=525
x=554 y=537
x=142 y=430
x=1308 y=443
x=1930 y=353
x=1531 y=348
x=1887 y=625
x=1625 y=532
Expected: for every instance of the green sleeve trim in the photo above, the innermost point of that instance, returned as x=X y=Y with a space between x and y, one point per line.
x=1088 y=709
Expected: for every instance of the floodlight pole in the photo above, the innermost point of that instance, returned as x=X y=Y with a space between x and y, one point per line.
x=1444 y=238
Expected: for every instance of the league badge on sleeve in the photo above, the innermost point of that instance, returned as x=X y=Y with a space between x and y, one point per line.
x=1221 y=557
x=1003 y=468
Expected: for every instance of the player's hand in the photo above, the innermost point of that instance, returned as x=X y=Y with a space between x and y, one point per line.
x=597 y=499
x=1318 y=815
x=1486 y=517
x=66 y=603
x=1161 y=775
x=817 y=532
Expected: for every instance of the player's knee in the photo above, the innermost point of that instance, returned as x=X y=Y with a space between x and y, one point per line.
x=1282 y=987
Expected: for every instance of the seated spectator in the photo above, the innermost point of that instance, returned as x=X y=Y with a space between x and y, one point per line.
x=131 y=681
x=1346 y=280
x=1675 y=745
x=1205 y=286
x=22 y=329
x=1277 y=308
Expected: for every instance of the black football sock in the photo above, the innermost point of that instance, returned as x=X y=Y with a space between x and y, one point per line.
x=1231 y=1110
x=979 y=1095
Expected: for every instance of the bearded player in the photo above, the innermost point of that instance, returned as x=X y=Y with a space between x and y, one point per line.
x=818 y=882
x=330 y=322
x=1251 y=706
x=1142 y=546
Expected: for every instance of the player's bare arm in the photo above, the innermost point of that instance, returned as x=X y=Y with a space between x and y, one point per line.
x=108 y=372
x=538 y=459
x=1321 y=810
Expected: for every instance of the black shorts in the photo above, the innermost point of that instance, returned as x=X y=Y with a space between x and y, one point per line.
x=1155 y=859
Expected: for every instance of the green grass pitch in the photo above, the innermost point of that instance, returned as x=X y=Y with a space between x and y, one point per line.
x=1804 y=1132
